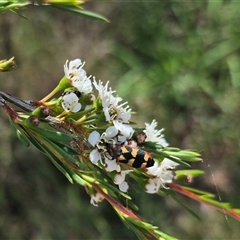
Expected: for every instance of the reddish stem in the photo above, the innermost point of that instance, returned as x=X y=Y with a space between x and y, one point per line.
x=230 y=212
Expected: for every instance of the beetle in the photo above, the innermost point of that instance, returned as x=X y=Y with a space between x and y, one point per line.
x=132 y=156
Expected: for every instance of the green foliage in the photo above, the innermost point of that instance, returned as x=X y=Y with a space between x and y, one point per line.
x=72 y=6
x=72 y=146
x=181 y=58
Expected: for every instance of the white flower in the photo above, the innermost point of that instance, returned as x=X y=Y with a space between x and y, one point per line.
x=115 y=111
x=74 y=71
x=112 y=108
x=100 y=88
x=84 y=86
x=77 y=76
x=162 y=169
x=70 y=101
x=97 y=140
x=119 y=130
x=162 y=173
x=96 y=198
x=154 y=135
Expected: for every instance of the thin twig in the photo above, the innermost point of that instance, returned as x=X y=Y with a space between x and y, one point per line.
x=27 y=106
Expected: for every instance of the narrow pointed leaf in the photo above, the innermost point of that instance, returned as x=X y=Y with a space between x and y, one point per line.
x=193 y=172
x=63 y=152
x=21 y=136
x=174 y=159
x=80 y=11
x=53 y=135
x=185 y=207
x=59 y=167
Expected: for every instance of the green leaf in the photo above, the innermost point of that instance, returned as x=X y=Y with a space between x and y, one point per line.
x=164 y=235
x=53 y=135
x=67 y=149
x=46 y=152
x=193 y=172
x=165 y=154
x=7 y=5
x=57 y=137
x=78 y=179
x=173 y=195
x=216 y=203
x=78 y=10
x=58 y=166
x=63 y=152
x=142 y=224
x=33 y=140
x=21 y=136
x=185 y=155
x=199 y=192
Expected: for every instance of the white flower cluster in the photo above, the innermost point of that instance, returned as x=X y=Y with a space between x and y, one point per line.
x=161 y=172
x=117 y=116
x=99 y=152
x=115 y=113
x=78 y=78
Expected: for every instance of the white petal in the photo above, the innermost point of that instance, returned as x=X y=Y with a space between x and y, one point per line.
x=167 y=177
x=154 y=170
x=125 y=129
x=83 y=86
x=94 y=138
x=119 y=178
x=155 y=135
x=65 y=68
x=153 y=185
x=105 y=101
x=106 y=113
x=111 y=132
x=121 y=139
x=77 y=107
x=87 y=86
x=75 y=63
x=123 y=186
x=95 y=156
x=111 y=165
x=125 y=116
x=70 y=102
x=169 y=163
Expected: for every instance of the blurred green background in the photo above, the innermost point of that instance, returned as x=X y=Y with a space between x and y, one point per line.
x=178 y=63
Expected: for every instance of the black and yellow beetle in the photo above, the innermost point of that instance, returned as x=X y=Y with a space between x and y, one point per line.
x=132 y=156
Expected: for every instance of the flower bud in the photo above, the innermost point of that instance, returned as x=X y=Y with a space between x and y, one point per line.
x=32 y=121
